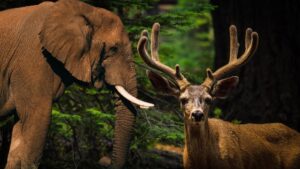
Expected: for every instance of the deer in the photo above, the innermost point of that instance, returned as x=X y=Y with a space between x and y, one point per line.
x=212 y=143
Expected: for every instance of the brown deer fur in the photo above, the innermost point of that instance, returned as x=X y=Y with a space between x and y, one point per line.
x=222 y=145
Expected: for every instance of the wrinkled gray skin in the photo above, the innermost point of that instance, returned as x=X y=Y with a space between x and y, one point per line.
x=46 y=47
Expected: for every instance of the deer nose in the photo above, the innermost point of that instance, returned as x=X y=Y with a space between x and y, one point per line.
x=197 y=115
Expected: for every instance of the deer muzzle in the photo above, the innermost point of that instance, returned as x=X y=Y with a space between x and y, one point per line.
x=197 y=116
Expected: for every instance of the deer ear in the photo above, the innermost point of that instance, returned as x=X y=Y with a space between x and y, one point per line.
x=162 y=84
x=223 y=87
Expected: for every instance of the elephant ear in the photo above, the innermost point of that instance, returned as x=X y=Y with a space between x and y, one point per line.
x=66 y=34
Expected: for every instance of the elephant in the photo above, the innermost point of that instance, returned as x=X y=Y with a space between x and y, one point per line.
x=43 y=49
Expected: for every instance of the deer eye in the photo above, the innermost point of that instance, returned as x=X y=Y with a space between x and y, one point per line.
x=184 y=101
x=208 y=100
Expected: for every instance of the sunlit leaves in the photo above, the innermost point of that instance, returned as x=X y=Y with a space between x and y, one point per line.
x=62 y=123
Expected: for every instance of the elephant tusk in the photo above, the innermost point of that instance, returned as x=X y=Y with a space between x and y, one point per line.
x=132 y=99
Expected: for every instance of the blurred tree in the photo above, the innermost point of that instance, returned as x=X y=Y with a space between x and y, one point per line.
x=269 y=84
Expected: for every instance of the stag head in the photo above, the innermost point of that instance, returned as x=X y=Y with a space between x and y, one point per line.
x=196 y=99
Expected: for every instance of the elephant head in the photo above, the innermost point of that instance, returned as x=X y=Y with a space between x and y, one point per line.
x=87 y=40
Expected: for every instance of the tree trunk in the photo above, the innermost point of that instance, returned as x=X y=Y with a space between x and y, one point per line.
x=269 y=83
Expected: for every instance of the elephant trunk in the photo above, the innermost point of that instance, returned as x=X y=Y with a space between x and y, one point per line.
x=124 y=125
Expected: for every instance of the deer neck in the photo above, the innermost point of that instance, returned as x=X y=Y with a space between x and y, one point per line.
x=197 y=143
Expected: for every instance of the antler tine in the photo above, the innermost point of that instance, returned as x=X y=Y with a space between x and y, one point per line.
x=144 y=33
x=154 y=41
x=142 y=46
x=251 y=43
x=152 y=63
x=154 y=60
x=248 y=37
x=234 y=45
x=251 y=48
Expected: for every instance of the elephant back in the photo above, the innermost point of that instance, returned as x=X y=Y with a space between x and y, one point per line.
x=15 y=25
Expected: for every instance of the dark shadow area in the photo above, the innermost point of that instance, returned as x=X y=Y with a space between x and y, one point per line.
x=60 y=70
x=5 y=136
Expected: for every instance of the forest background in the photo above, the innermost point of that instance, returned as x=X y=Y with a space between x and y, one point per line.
x=194 y=34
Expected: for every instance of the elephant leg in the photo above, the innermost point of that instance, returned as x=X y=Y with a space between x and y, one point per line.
x=28 y=138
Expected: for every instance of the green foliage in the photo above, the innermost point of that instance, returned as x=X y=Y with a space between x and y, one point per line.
x=158 y=127
x=217 y=113
x=236 y=121
x=62 y=123
x=186 y=39
x=102 y=120
x=81 y=130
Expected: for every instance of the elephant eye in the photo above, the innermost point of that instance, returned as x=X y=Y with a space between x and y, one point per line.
x=113 y=50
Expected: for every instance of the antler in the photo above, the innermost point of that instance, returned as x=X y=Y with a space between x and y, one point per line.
x=154 y=62
x=251 y=43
